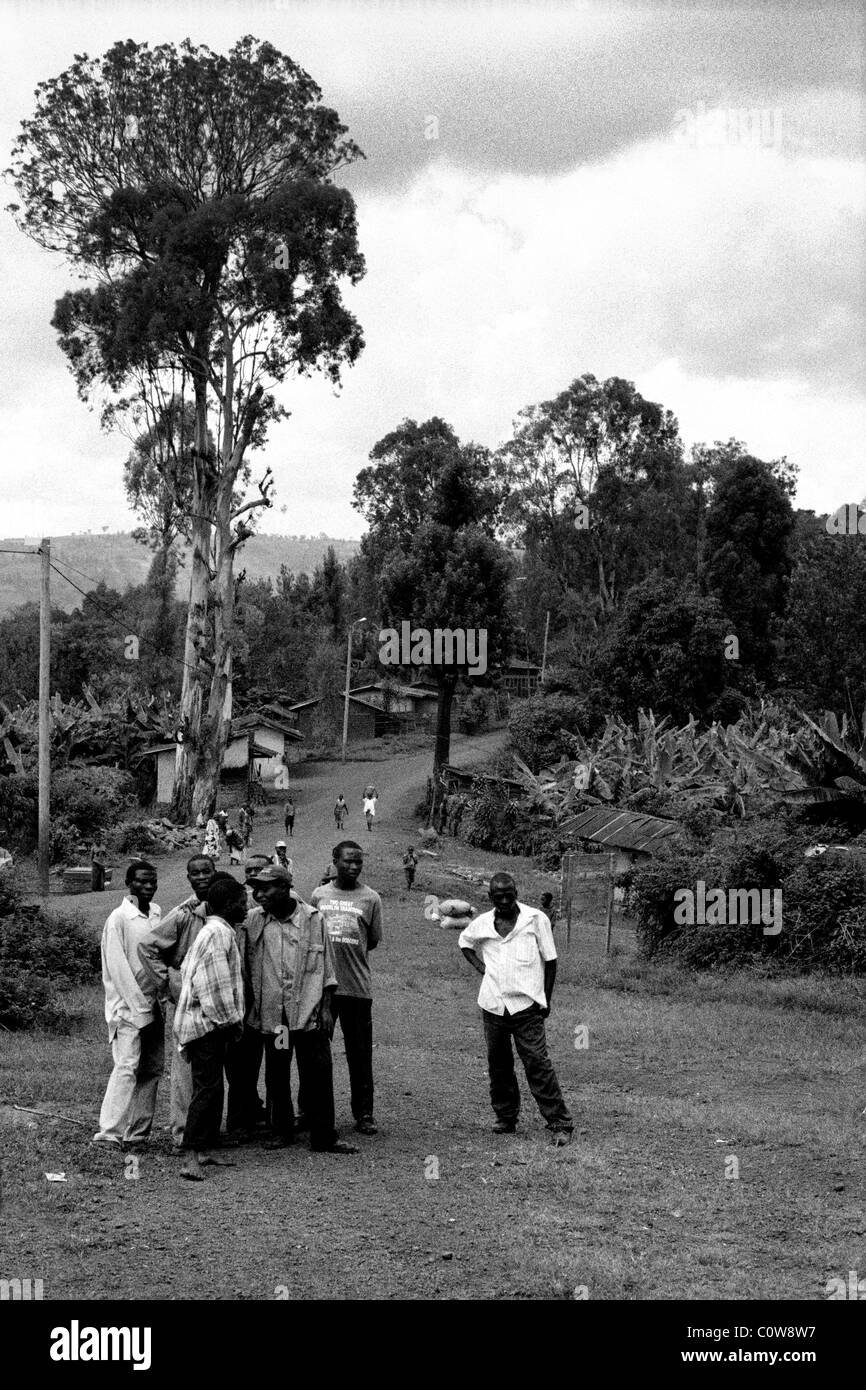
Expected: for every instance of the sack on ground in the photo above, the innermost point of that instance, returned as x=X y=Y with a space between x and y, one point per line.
x=455 y=907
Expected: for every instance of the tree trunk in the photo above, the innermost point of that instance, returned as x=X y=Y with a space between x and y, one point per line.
x=442 y=749
x=217 y=718
x=195 y=642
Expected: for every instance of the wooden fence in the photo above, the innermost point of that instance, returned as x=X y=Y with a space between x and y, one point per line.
x=590 y=919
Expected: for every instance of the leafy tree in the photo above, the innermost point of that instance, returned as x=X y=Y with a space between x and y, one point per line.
x=666 y=652
x=824 y=633
x=749 y=528
x=432 y=505
x=329 y=594
x=597 y=485
x=197 y=196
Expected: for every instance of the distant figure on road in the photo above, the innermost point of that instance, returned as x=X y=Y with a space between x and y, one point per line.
x=341 y=811
x=289 y=817
x=235 y=844
x=369 y=810
x=410 y=863
x=512 y=947
x=98 y=862
x=245 y=822
x=281 y=857
x=211 y=846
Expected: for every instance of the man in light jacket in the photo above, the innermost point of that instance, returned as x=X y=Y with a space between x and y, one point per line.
x=134 y=1018
x=290 y=978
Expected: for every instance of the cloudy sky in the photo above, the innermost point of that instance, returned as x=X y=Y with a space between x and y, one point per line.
x=546 y=192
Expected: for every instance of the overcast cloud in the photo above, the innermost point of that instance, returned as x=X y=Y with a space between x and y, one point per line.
x=568 y=217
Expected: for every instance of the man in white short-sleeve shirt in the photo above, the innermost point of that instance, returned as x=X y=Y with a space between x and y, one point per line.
x=512 y=947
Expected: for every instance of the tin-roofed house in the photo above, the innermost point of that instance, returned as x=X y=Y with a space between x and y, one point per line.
x=630 y=836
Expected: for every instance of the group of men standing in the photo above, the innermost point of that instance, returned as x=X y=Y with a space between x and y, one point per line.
x=247 y=984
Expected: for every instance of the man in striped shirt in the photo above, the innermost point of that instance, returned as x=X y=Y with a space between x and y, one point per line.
x=512 y=947
x=209 y=1015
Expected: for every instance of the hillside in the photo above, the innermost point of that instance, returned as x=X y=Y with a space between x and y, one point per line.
x=120 y=561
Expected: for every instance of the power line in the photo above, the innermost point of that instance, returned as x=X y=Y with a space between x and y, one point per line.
x=122 y=620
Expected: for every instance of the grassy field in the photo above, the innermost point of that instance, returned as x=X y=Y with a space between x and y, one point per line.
x=718 y=1150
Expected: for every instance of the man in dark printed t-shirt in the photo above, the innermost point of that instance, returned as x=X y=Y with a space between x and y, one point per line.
x=353 y=920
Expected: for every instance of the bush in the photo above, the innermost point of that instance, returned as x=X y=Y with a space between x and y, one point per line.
x=474 y=713
x=25 y=1000
x=823 y=904
x=91 y=798
x=41 y=956
x=136 y=837
x=85 y=802
x=540 y=728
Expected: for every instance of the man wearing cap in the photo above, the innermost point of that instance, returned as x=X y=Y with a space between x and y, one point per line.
x=289 y=972
x=512 y=947
x=281 y=858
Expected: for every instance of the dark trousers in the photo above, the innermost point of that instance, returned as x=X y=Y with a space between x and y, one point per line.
x=527 y=1030
x=204 y=1117
x=355 y=1017
x=290 y=826
x=97 y=878
x=242 y=1066
x=313 y=1052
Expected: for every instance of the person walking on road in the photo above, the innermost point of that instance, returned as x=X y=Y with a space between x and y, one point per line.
x=211 y=847
x=352 y=913
x=410 y=864
x=134 y=1018
x=341 y=811
x=369 y=810
x=289 y=817
x=98 y=865
x=512 y=947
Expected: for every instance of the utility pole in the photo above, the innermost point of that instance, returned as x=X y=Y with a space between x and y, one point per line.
x=44 y=713
x=544 y=653
x=352 y=627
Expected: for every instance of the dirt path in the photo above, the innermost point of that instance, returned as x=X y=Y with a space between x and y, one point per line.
x=681 y=1077
x=388 y=1222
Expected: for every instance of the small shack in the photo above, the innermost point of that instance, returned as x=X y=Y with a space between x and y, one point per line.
x=629 y=835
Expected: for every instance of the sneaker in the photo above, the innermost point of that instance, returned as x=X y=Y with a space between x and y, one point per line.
x=505 y=1127
x=366 y=1126
x=340 y=1148
x=106 y=1139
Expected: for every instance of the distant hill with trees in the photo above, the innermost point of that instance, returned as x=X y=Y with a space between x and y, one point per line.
x=119 y=561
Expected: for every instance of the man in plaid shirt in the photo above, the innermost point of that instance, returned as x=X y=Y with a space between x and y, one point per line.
x=162 y=955
x=209 y=1015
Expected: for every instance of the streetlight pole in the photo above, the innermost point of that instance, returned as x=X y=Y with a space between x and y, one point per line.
x=352 y=627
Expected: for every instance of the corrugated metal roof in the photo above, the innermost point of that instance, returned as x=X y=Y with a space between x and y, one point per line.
x=622 y=829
